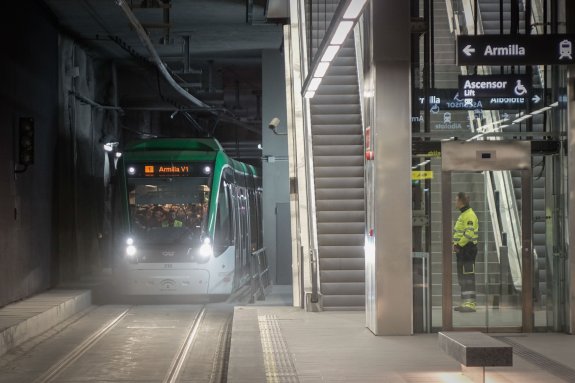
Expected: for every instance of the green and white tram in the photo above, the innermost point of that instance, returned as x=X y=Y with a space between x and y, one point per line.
x=190 y=218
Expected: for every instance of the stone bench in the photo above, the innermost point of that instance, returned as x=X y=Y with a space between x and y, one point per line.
x=475 y=351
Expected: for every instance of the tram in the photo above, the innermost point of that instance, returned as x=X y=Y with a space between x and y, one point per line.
x=189 y=218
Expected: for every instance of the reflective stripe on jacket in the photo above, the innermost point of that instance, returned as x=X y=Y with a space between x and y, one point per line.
x=466 y=228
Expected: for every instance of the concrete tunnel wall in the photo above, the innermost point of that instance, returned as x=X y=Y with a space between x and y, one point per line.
x=29 y=89
x=41 y=243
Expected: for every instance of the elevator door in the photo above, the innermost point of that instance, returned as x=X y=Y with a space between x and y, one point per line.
x=487 y=286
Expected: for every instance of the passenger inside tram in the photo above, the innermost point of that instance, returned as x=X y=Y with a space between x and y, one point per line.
x=168 y=211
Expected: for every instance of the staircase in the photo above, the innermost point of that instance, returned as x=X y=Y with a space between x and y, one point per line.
x=337 y=142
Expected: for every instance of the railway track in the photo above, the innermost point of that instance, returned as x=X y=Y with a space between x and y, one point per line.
x=165 y=344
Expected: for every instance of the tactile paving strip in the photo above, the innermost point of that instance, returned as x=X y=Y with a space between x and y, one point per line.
x=279 y=365
x=549 y=365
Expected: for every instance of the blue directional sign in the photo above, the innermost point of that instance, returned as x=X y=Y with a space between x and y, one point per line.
x=494 y=85
x=556 y=49
x=441 y=100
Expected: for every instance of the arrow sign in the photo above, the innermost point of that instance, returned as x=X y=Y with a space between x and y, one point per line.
x=468 y=50
x=553 y=49
x=536 y=99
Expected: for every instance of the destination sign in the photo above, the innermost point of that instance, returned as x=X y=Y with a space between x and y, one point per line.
x=495 y=86
x=170 y=169
x=555 y=49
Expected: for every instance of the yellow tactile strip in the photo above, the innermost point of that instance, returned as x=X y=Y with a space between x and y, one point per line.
x=278 y=362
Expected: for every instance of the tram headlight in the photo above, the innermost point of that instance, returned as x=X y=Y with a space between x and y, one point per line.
x=207 y=169
x=206 y=250
x=131 y=170
x=130 y=248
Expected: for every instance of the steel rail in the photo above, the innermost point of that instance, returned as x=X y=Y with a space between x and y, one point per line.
x=76 y=353
x=180 y=358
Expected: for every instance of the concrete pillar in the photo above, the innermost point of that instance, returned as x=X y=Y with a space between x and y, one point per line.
x=391 y=287
x=570 y=274
x=275 y=150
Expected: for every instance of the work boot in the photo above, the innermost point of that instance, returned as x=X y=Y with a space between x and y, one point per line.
x=467 y=307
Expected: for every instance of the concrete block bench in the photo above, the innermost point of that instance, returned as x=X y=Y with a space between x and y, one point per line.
x=475 y=351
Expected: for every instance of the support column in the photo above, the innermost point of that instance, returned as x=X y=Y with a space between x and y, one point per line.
x=570 y=301
x=392 y=280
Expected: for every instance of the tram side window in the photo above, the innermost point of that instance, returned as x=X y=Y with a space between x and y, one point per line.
x=223 y=232
x=253 y=222
x=260 y=220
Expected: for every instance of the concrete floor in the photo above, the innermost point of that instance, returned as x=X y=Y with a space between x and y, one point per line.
x=274 y=342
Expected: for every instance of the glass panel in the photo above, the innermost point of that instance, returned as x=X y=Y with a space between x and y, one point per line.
x=168 y=210
x=486 y=275
x=471 y=255
x=504 y=260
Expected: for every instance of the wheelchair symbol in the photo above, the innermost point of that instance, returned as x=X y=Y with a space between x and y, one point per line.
x=520 y=89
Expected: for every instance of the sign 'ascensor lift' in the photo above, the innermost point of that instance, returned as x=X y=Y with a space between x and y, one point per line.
x=516 y=50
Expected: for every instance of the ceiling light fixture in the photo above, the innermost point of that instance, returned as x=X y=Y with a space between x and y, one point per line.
x=330 y=53
x=345 y=17
x=341 y=32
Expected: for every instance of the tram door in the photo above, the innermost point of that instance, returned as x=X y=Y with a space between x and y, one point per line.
x=486 y=225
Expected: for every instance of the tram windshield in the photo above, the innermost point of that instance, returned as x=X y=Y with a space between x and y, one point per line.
x=168 y=210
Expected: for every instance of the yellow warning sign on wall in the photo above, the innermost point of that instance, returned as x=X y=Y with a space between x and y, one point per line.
x=421 y=175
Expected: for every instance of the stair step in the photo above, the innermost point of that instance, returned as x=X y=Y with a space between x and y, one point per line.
x=338 y=139
x=354 y=160
x=356 y=288
x=343 y=302
x=342 y=276
x=339 y=182
x=338 y=171
x=344 y=205
x=335 y=109
x=342 y=263
x=355 y=194
x=341 y=239
x=340 y=228
x=341 y=251
x=338 y=150
x=341 y=216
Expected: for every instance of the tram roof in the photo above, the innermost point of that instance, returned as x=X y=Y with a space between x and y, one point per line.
x=191 y=144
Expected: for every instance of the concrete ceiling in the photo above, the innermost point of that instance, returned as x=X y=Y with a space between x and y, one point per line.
x=216 y=28
x=226 y=38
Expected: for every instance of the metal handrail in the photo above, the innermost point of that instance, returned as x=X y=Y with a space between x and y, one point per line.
x=310 y=185
x=259 y=274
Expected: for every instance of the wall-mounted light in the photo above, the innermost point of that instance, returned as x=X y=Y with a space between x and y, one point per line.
x=345 y=17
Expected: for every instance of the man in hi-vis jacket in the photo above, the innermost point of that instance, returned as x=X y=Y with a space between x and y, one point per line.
x=465 y=234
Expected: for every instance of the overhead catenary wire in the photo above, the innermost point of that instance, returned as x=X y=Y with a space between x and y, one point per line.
x=155 y=57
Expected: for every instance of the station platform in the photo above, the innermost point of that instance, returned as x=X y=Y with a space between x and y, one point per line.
x=274 y=342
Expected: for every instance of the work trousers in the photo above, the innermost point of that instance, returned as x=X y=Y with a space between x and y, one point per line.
x=466 y=271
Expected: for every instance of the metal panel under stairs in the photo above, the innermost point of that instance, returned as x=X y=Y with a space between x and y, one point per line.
x=337 y=138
